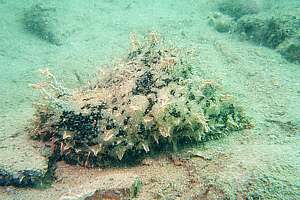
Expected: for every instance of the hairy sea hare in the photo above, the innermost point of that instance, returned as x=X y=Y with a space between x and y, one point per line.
x=148 y=102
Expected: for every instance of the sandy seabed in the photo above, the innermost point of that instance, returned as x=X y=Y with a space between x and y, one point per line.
x=262 y=163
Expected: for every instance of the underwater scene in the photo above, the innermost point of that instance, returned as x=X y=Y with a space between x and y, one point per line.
x=150 y=100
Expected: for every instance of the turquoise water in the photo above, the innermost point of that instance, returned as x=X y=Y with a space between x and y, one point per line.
x=75 y=38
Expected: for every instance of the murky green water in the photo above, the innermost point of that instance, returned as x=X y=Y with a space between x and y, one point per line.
x=250 y=48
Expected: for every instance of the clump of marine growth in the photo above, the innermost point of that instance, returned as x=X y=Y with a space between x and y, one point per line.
x=148 y=102
x=280 y=31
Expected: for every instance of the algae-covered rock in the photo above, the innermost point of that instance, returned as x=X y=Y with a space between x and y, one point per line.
x=278 y=31
x=290 y=49
x=238 y=8
x=268 y=30
x=148 y=102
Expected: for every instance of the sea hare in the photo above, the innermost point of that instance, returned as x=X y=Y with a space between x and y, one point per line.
x=148 y=102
